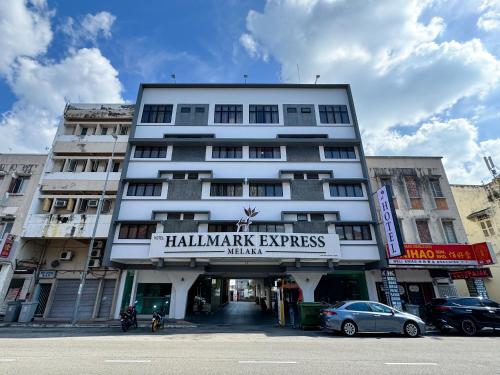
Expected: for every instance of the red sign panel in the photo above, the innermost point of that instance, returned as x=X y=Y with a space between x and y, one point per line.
x=7 y=246
x=445 y=255
x=471 y=274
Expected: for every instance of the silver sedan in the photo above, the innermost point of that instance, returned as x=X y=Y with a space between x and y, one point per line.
x=350 y=317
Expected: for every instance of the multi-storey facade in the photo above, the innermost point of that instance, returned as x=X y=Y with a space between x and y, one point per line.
x=479 y=207
x=88 y=150
x=431 y=228
x=199 y=154
x=19 y=175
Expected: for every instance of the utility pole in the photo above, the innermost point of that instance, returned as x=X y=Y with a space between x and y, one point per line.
x=92 y=239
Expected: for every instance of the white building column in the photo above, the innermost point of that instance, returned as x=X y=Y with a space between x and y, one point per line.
x=181 y=283
x=5 y=277
x=307 y=281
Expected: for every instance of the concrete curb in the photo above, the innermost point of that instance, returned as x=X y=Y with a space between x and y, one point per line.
x=67 y=325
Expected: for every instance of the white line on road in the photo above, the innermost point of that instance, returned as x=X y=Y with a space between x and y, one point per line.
x=266 y=362
x=127 y=361
x=411 y=363
x=7 y=360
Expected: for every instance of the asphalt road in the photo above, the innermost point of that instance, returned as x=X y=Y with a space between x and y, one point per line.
x=239 y=350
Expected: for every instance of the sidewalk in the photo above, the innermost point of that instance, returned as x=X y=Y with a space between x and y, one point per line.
x=99 y=324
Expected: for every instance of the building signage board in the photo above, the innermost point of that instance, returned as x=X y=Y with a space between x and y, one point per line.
x=445 y=255
x=471 y=274
x=390 y=221
x=47 y=274
x=391 y=289
x=7 y=246
x=245 y=245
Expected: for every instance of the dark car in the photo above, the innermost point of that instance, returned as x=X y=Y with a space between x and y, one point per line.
x=465 y=314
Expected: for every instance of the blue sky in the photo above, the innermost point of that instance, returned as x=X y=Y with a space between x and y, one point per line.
x=425 y=73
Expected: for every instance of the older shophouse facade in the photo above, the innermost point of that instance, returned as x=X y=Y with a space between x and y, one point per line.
x=436 y=244
x=89 y=147
x=19 y=176
x=242 y=181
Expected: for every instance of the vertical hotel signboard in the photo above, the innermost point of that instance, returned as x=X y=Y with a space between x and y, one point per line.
x=390 y=221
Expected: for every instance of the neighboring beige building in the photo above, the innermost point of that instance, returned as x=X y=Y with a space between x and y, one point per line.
x=61 y=220
x=19 y=176
x=479 y=207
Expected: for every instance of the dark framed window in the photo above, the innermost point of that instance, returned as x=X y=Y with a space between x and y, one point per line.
x=346 y=190
x=353 y=232
x=226 y=190
x=223 y=152
x=449 y=232
x=188 y=216
x=266 y=190
x=312 y=176
x=17 y=185
x=136 y=231
x=263 y=114
x=144 y=190
x=199 y=110
x=317 y=217
x=298 y=176
x=423 y=231
x=340 y=153
x=179 y=176
x=150 y=152
x=264 y=227
x=228 y=114
x=157 y=113
x=291 y=110
x=302 y=217
x=333 y=114
x=436 y=188
x=265 y=152
x=222 y=227
x=174 y=216
x=305 y=110
x=185 y=109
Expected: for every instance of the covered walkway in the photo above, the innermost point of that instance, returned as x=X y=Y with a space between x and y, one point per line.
x=236 y=313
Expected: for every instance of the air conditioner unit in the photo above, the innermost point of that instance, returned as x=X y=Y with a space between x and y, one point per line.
x=98 y=244
x=96 y=253
x=94 y=263
x=66 y=255
x=61 y=203
x=93 y=203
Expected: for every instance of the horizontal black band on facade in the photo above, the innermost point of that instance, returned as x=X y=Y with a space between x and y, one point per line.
x=243 y=142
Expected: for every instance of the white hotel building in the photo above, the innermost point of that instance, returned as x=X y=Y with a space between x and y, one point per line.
x=200 y=153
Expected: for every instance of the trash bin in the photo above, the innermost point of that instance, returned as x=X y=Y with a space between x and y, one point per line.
x=12 y=312
x=27 y=312
x=309 y=314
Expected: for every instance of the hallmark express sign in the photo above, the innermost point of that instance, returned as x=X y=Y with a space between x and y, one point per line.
x=244 y=245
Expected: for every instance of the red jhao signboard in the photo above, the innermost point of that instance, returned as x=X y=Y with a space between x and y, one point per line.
x=7 y=246
x=473 y=273
x=445 y=255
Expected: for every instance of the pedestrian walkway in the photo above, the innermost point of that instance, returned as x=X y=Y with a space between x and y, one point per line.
x=236 y=313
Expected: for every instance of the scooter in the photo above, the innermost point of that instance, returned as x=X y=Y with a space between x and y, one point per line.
x=158 y=319
x=128 y=318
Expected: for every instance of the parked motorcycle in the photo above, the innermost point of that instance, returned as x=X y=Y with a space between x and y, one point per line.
x=158 y=319
x=128 y=318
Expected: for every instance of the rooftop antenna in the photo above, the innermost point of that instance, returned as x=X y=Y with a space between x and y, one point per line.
x=245 y=76
x=317 y=77
x=173 y=77
x=491 y=166
x=298 y=72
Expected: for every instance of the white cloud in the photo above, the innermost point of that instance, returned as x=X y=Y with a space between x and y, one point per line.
x=24 y=29
x=43 y=86
x=490 y=17
x=400 y=69
x=89 y=28
x=251 y=46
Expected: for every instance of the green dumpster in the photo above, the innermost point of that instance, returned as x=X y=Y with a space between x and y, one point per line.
x=309 y=314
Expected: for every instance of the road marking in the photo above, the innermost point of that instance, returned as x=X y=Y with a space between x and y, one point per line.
x=411 y=363
x=127 y=361
x=267 y=362
x=7 y=360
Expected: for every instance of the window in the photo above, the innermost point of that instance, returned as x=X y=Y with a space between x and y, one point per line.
x=124 y=129
x=359 y=306
x=144 y=190
x=436 y=188
x=116 y=166
x=266 y=190
x=136 y=231
x=305 y=110
x=340 y=153
x=467 y=302
x=411 y=187
x=262 y=227
x=222 y=152
x=188 y=216
x=185 y=109
x=264 y=114
x=226 y=190
x=150 y=152
x=333 y=114
x=353 y=232
x=291 y=110
x=83 y=131
x=104 y=131
x=379 y=308
x=317 y=217
x=5 y=229
x=312 y=176
x=423 y=231
x=228 y=114
x=222 y=227
x=174 y=216
x=17 y=185
x=302 y=217
x=346 y=190
x=153 y=113
x=199 y=110
x=106 y=206
x=490 y=303
x=265 y=152
x=298 y=176
x=449 y=232
x=487 y=228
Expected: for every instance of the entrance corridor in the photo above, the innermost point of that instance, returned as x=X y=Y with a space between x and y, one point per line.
x=236 y=313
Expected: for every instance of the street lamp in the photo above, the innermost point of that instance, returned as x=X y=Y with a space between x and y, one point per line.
x=92 y=239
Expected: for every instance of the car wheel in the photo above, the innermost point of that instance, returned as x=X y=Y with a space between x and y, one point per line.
x=468 y=327
x=411 y=329
x=349 y=328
